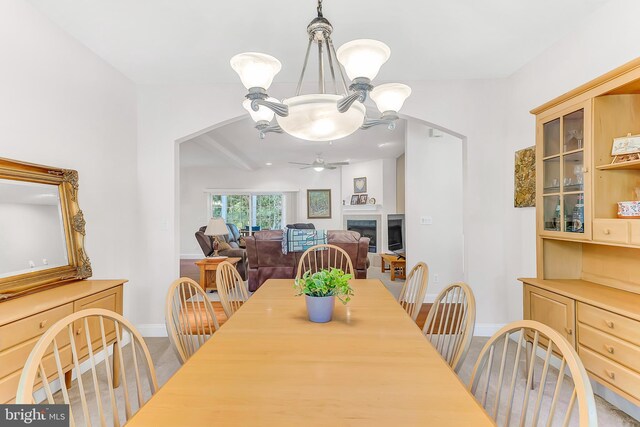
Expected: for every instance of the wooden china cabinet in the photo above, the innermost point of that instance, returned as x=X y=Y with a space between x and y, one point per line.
x=588 y=260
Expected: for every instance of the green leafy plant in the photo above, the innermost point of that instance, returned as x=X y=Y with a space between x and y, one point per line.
x=325 y=283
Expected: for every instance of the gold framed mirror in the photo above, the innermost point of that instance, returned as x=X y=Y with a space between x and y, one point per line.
x=42 y=228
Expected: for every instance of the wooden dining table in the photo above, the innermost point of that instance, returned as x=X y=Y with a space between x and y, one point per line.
x=270 y=366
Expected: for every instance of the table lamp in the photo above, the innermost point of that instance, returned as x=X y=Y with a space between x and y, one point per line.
x=216 y=227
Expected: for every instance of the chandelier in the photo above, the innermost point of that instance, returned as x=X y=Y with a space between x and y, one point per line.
x=337 y=109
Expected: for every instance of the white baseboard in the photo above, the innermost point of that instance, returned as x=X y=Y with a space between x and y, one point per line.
x=486 y=329
x=192 y=256
x=152 y=330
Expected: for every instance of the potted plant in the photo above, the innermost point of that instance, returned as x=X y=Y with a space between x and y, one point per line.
x=320 y=290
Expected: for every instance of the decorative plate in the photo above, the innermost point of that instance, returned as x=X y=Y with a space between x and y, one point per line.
x=360 y=185
x=372 y=201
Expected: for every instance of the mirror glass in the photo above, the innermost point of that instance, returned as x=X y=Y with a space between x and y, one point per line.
x=32 y=234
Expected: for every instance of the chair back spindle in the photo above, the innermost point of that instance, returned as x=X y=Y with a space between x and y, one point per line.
x=231 y=288
x=414 y=290
x=450 y=323
x=324 y=257
x=189 y=317
x=504 y=384
x=85 y=336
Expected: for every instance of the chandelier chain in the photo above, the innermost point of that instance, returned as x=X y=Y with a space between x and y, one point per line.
x=320 y=8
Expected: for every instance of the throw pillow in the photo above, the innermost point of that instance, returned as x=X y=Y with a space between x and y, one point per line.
x=223 y=246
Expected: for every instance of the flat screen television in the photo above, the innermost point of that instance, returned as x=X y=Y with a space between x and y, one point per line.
x=395 y=232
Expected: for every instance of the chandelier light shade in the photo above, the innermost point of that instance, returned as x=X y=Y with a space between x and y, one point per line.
x=315 y=117
x=256 y=69
x=337 y=108
x=363 y=58
x=263 y=113
x=390 y=96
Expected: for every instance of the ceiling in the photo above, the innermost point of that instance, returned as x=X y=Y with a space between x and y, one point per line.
x=237 y=145
x=191 y=41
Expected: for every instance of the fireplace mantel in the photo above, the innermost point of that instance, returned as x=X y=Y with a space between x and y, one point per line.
x=355 y=209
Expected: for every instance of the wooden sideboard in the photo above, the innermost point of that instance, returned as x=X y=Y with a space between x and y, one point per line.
x=588 y=260
x=23 y=320
x=603 y=323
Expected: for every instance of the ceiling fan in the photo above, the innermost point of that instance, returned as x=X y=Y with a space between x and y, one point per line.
x=319 y=164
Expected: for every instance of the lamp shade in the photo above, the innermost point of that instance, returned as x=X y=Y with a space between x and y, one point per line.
x=255 y=69
x=315 y=117
x=263 y=112
x=216 y=227
x=390 y=96
x=363 y=58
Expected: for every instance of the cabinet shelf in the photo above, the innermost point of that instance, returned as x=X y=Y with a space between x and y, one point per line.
x=631 y=165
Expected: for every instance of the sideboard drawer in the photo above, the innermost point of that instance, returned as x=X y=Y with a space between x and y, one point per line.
x=611 y=230
x=9 y=384
x=111 y=299
x=32 y=326
x=611 y=323
x=609 y=346
x=14 y=358
x=617 y=375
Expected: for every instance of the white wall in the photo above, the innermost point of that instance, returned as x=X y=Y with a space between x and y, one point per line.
x=194 y=180
x=492 y=116
x=170 y=113
x=35 y=233
x=63 y=106
x=372 y=170
x=434 y=179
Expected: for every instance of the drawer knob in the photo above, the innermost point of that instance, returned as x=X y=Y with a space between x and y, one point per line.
x=609 y=348
x=610 y=374
x=43 y=323
x=79 y=331
x=606 y=231
x=609 y=324
x=569 y=331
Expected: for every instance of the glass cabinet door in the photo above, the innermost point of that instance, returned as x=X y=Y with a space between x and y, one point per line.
x=563 y=170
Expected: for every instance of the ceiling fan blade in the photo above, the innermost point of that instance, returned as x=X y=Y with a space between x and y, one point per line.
x=298 y=163
x=338 y=163
x=307 y=167
x=330 y=167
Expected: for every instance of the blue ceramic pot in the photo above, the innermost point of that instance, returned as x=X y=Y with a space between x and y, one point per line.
x=320 y=309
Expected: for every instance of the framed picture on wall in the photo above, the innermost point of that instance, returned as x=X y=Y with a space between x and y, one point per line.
x=319 y=204
x=360 y=185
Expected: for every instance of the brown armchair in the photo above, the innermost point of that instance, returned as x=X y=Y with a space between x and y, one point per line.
x=233 y=239
x=266 y=260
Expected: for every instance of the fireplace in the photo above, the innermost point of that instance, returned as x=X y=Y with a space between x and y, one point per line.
x=366 y=228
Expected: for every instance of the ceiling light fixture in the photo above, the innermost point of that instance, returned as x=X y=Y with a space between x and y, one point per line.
x=322 y=116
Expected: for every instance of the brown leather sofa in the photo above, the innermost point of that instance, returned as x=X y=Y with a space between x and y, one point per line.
x=266 y=260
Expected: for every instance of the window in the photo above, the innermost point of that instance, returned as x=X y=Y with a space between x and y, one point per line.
x=265 y=211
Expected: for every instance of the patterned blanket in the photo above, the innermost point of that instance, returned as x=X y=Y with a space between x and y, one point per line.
x=299 y=240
